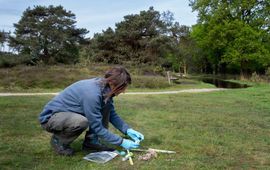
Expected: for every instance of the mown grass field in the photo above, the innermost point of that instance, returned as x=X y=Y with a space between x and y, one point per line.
x=216 y=130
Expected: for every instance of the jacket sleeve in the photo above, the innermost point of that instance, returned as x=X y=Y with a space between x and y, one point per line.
x=92 y=110
x=117 y=121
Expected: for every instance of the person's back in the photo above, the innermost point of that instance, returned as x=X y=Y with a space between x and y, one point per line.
x=70 y=99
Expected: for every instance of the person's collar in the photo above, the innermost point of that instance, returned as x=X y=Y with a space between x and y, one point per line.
x=105 y=89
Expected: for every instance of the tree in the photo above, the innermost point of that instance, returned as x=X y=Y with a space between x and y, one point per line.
x=3 y=39
x=185 y=47
x=233 y=32
x=246 y=49
x=48 y=34
x=140 y=38
x=141 y=35
x=104 y=47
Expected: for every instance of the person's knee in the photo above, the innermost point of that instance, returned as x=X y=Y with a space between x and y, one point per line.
x=78 y=121
x=84 y=123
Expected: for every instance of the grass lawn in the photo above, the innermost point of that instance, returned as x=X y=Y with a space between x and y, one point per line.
x=217 y=130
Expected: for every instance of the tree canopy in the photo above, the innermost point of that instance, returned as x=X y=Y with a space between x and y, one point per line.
x=149 y=37
x=229 y=37
x=48 y=34
x=233 y=33
x=3 y=39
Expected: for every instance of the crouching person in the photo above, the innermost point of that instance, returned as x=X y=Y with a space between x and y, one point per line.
x=89 y=104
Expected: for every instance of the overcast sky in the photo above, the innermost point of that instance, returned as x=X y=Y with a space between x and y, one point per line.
x=97 y=15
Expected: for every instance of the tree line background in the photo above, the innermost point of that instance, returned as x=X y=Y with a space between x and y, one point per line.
x=230 y=37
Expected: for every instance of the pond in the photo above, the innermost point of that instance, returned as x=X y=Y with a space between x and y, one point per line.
x=223 y=83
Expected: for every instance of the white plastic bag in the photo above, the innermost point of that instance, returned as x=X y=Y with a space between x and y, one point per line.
x=101 y=157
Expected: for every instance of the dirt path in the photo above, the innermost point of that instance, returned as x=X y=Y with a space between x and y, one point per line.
x=129 y=93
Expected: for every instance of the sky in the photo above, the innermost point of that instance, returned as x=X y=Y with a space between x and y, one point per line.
x=97 y=15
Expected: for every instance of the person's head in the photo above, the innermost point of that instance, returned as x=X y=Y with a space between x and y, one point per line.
x=118 y=79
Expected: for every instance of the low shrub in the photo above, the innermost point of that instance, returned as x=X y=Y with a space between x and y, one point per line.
x=149 y=82
x=267 y=73
x=259 y=78
x=145 y=70
x=46 y=77
x=59 y=77
x=8 y=60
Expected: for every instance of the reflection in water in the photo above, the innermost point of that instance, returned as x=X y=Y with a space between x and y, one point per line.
x=223 y=84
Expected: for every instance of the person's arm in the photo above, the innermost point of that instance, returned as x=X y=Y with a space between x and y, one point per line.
x=116 y=120
x=92 y=107
x=123 y=127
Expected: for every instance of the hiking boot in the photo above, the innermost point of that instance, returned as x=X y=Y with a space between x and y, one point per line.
x=92 y=143
x=61 y=149
x=89 y=147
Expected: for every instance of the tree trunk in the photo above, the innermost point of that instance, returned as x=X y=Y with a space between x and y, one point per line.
x=169 y=77
x=242 y=77
x=46 y=55
x=185 y=69
x=242 y=71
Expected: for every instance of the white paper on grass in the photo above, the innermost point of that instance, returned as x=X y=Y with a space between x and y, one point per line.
x=101 y=157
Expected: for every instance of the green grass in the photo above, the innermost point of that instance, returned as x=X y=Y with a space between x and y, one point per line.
x=217 y=130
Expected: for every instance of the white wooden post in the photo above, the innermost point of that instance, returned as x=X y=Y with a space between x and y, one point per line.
x=169 y=77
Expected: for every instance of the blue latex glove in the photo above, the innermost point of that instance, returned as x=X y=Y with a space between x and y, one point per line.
x=136 y=136
x=129 y=144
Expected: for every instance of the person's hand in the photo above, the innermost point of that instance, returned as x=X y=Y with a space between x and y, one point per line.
x=129 y=144
x=136 y=136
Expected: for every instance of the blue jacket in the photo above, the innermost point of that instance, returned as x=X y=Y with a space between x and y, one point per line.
x=86 y=97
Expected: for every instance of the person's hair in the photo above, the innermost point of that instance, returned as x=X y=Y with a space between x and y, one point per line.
x=119 y=77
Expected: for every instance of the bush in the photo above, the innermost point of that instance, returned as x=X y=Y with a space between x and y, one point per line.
x=256 y=78
x=10 y=60
x=27 y=77
x=145 y=70
x=149 y=82
x=267 y=73
x=59 y=77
